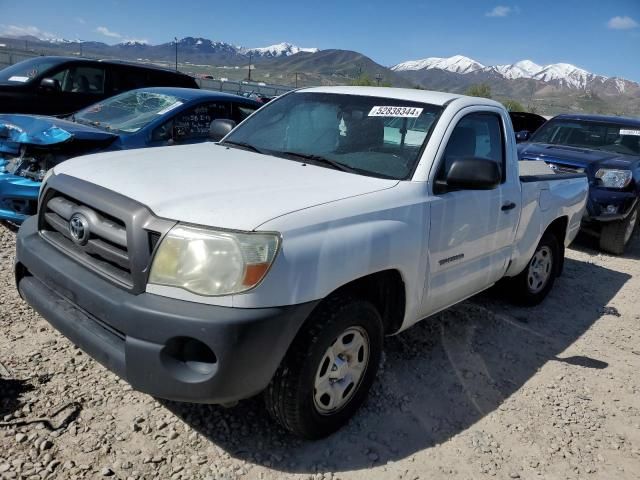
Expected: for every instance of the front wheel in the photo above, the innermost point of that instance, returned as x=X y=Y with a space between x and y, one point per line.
x=532 y=285
x=329 y=368
x=615 y=236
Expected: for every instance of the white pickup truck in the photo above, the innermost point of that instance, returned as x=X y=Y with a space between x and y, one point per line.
x=277 y=259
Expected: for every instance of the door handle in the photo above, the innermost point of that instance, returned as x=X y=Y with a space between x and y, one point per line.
x=508 y=206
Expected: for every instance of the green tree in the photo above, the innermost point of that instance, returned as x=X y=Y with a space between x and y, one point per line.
x=479 y=90
x=514 y=106
x=363 y=81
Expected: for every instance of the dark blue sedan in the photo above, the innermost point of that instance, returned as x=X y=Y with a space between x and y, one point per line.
x=607 y=150
x=150 y=117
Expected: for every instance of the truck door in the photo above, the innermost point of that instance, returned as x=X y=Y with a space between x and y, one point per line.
x=472 y=231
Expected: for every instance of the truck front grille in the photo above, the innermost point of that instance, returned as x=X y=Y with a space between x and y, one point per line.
x=91 y=236
x=108 y=233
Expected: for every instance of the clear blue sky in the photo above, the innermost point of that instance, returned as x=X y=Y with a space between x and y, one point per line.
x=601 y=36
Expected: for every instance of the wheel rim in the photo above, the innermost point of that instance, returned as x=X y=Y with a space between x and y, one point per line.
x=341 y=370
x=632 y=225
x=540 y=269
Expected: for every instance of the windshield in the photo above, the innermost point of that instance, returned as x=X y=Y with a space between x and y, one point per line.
x=374 y=136
x=24 y=72
x=129 y=111
x=609 y=137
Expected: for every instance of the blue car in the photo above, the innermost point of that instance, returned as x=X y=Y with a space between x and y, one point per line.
x=150 y=117
x=607 y=150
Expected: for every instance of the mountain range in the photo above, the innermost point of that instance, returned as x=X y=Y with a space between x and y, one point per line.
x=547 y=89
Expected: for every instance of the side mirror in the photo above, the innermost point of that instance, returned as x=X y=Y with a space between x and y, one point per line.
x=474 y=174
x=50 y=85
x=523 y=136
x=219 y=128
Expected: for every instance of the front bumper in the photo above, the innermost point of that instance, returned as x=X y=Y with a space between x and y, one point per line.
x=18 y=197
x=599 y=199
x=165 y=347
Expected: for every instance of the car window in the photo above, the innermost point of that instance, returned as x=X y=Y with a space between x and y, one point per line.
x=374 y=136
x=81 y=79
x=27 y=70
x=192 y=123
x=123 y=79
x=242 y=111
x=130 y=111
x=478 y=135
x=611 y=137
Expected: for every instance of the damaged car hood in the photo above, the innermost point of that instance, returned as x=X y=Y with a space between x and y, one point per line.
x=17 y=130
x=217 y=186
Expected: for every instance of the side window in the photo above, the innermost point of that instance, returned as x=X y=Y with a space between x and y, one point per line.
x=192 y=123
x=478 y=135
x=240 y=112
x=124 y=79
x=81 y=80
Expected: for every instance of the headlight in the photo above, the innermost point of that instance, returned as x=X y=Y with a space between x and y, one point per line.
x=210 y=262
x=614 y=178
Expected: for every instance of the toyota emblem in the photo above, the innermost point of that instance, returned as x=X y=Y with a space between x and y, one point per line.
x=79 y=229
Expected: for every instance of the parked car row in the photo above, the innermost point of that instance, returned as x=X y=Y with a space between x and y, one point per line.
x=30 y=145
x=277 y=259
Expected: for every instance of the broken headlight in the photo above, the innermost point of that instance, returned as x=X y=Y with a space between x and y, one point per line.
x=213 y=262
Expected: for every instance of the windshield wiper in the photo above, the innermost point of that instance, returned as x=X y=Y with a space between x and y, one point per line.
x=246 y=146
x=322 y=160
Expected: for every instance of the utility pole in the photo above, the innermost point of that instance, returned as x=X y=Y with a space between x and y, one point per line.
x=250 y=57
x=378 y=78
x=80 y=48
x=176 y=40
x=296 y=79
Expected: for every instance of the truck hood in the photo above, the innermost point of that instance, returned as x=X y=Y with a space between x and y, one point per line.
x=585 y=158
x=18 y=130
x=217 y=186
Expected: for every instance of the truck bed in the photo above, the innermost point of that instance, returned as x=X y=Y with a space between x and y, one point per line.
x=532 y=171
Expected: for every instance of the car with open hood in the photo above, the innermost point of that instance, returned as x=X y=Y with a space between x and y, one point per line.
x=607 y=150
x=150 y=117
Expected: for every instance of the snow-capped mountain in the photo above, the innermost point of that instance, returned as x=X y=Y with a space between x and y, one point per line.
x=284 y=49
x=567 y=75
x=521 y=69
x=562 y=75
x=455 y=64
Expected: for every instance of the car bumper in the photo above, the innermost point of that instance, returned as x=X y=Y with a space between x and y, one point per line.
x=165 y=347
x=18 y=197
x=599 y=200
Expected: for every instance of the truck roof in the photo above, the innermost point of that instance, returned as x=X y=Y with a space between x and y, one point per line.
x=410 y=94
x=631 y=122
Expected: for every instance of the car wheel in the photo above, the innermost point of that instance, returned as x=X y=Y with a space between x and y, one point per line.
x=328 y=369
x=532 y=285
x=615 y=236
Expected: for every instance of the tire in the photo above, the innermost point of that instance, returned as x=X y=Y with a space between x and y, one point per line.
x=526 y=288
x=292 y=398
x=615 y=236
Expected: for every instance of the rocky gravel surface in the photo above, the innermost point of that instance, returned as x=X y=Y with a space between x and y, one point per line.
x=483 y=390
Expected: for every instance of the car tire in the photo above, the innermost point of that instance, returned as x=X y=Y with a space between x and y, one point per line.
x=309 y=394
x=533 y=284
x=615 y=236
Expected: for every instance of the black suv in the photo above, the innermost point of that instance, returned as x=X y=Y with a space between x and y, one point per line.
x=62 y=85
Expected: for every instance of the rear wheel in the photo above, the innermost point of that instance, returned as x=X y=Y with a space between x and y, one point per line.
x=329 y=368
x=615 y=236
x=532 y=285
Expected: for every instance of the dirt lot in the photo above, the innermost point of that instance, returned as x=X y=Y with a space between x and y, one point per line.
x=484 y=390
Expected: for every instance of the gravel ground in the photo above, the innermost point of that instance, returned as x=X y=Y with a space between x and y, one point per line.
x=484 y=390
